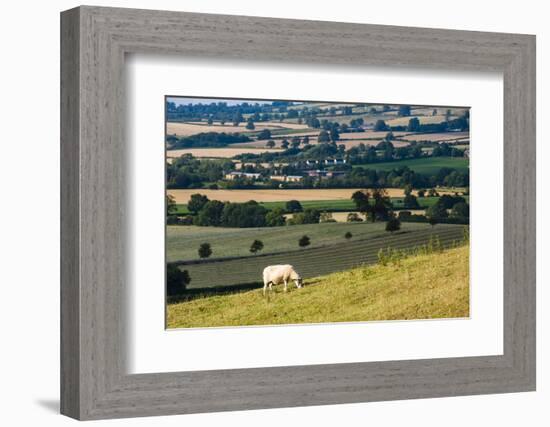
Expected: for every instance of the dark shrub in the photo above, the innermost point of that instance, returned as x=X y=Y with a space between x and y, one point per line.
x=176 y=280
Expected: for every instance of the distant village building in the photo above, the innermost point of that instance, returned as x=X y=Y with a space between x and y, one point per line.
x=234 y=175
x=335 y=161
x=286 y=178
x=325 y=174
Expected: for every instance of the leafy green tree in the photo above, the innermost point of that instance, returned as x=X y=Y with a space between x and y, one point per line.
x=275 y=217
x=270 y=143
x=393 y=224
x=323 y=136
x=410 y=202
x=448 y=201
x=176 y=280
x=264 y=134
x=460 y=211
x=293 y=206
x=334 y=135
x=404 y=110
x=237 y=118
x=250 y=124
x=205 y=250
x=197 y=202
x=421 y=193
x=285 y=144
x=362 y=202
x=171 y=207
x=314 y=123
x=304 y=241
x=382 y=205
x=210 y=120
x=380 y=126
x=242 y=215
x=257 y=245
x=308 y=216
x=414 y=125
x=436 y=212
x=210 y=214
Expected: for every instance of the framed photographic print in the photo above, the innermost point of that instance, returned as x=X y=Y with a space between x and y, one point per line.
x=311 y=195
x=346 y=210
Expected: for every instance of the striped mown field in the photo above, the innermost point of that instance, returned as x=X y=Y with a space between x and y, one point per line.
x=316 y=261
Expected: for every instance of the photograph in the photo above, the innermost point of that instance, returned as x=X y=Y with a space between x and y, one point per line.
x=282 y=212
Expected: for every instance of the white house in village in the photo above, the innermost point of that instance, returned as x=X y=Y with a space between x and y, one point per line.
x=286 y=178
x=234 y=175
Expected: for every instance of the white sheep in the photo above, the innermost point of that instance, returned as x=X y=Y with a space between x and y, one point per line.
x=275 y=274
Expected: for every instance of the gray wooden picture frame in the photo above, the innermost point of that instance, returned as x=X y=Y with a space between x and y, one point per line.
x=94 y=381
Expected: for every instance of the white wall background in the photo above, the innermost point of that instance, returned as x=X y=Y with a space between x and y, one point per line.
x=29 y=230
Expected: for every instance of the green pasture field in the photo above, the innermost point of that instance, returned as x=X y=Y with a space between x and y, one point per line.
x=183 y=241
x=336 y=255
x=423 y=286
x=427 y=166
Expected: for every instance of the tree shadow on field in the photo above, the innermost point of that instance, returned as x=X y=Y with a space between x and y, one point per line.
x=196 y=293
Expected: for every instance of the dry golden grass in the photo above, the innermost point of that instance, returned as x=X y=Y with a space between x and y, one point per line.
x=211 y=153
x=368 y=134
x=343 y=216
x=367 y=142
x=445 y=136
x=182 y=196
x=429 y=286
x=403 y=121
x=192 y=128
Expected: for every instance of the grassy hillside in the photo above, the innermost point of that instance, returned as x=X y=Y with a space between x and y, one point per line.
x=419 y=287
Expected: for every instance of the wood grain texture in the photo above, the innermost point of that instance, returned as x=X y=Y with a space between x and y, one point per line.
x=94 y=382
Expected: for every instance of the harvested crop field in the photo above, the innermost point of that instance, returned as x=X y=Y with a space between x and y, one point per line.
x=356 y=142
x=268 y=195
x=212 y=153
x=404 y=121
x=444 y=136
x=369 y=134
x=192 y=128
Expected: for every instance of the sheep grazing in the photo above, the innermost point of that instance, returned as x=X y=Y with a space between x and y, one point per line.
x=276 y=274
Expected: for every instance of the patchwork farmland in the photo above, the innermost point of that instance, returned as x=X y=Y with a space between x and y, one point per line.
x=322 y=186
